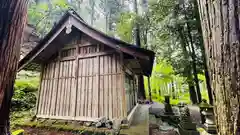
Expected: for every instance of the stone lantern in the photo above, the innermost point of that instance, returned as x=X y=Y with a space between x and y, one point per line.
x=209 y=124
x=186 y=126
x=167 y=106
x=203 y=106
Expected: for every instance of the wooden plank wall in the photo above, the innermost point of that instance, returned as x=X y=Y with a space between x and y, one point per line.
x=57 y=88
x=110 y=87
x=83 y=86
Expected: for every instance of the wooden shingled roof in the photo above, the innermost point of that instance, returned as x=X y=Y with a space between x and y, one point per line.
x=45 y=48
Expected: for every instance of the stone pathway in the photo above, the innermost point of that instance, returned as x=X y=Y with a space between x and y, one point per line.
x=140 y=122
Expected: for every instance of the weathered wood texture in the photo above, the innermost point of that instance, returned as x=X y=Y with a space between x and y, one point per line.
x=220 y=26
x=130 y=91
x=84 y=83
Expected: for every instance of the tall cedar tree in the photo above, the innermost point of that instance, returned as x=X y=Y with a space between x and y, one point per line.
x=141 y=90
x=13 y=14
x=198 y=24
x=193 y=56
x=188 y=69
x=220 y=27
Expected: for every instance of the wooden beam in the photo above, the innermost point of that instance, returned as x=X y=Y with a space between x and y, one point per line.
x=57 y=87
x=69 y=47
x=95 y=54
x=85 y=44
x=87 y=56
x=67 y=118
x=96 y=103
x=39 y=89
x=68 y=58
x=73 y=46
x=76 y=82
x=98 y=81
x=124 y=105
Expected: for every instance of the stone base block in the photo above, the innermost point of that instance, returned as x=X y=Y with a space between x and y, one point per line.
x=210 y=128
x=187 y=132
x=189 y=126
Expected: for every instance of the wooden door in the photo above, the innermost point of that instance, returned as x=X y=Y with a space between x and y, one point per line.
x=86 y=88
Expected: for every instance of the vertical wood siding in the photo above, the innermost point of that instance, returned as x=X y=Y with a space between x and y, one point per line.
x=130 y=92
x=80 y=87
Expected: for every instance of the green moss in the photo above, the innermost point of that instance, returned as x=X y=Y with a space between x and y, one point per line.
x=200 y=130
x=18 y=132
x=62 y=126
x=19 y=117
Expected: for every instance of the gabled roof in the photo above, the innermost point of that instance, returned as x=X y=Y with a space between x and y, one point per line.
x=145 y=57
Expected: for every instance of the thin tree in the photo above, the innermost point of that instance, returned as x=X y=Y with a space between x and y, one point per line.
x=141 y=90
x=193 y=55
x=188 y=69
x=221 y=34
x=13 y=14
x=198 y=24
x=149 y=89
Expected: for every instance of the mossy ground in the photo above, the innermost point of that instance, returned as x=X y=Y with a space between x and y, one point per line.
x=55 y=127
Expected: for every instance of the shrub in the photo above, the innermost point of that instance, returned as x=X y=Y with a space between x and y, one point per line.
x=25 y=91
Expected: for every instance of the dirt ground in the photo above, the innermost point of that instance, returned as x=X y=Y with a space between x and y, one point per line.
x=41 y=131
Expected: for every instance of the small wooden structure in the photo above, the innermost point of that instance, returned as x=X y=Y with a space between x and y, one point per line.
x=85 y=74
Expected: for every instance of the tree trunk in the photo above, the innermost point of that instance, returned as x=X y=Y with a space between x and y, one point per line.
x=220 y=27
x=173 y=90
x=208 y=83
x=149 y=90
x=141 y=90
x=13 y=17
x=106 y=16
x=159 y=92
x=188 y=68
x=192 y=92
x=194 y=66
x=193 y=56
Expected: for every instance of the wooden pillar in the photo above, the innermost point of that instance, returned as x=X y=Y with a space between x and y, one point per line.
x=39 y=89
x=75 y=79
x=98 y=83
x=124 y=105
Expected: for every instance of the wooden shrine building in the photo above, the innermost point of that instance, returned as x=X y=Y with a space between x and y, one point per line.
x=85 y=74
